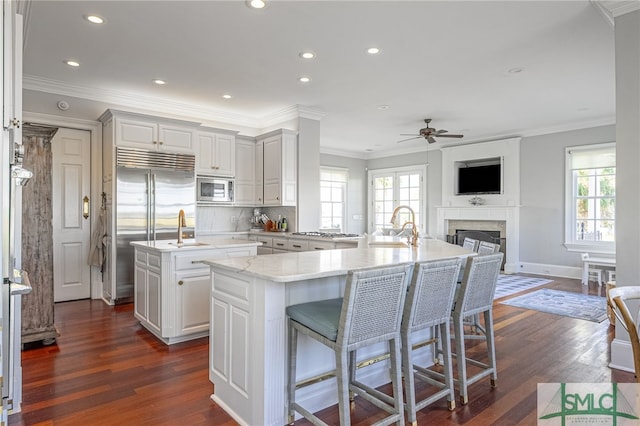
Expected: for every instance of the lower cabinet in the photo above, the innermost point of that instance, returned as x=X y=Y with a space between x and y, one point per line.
x=172 y=290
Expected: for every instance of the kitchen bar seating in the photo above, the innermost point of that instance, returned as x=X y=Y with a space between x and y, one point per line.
x=429 y=304
x=475 y=296
x=370 y=312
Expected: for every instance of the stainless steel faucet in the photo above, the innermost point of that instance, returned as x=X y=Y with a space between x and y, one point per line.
x=181 y=223
x=414 y=229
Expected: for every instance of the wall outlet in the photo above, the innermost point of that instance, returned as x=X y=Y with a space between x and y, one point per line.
x=234 y=219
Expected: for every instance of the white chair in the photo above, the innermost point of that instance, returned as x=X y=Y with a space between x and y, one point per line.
x=429 y=304
x=369 y=313
x=485 y=247
x=593 y=272
x=475 y=296
x=470 y=243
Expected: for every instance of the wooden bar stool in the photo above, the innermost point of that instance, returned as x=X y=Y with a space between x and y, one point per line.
x=475 y=296
x=370 y=312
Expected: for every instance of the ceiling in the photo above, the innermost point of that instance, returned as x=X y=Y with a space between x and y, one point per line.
x=451 y=61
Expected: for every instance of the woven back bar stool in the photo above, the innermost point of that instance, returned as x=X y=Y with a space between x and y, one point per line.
x=429 y=304
x=369 y=313
x=475 y=296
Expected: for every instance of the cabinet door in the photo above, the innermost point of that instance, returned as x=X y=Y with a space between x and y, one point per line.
x=321 y=245
x=193 y=300
x=225 y=155
x=154 y=301
x=140 y=298
x=205 y=153
x=175 y=139
x=272 y=170
x=259 y=190
x=136 y=134
x=297 y=245
x=245 y=173
x=280 y=243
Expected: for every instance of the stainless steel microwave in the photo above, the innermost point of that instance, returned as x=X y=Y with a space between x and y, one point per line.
x=214 y=190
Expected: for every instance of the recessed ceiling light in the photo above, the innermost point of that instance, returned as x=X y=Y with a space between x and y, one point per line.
x=383 y=106
x=304 y=79
x=226 y=96
x=257 y=4
x=373 y=50
x=307 y=55
x=72 y=63
x=95 y=19
x=159 y=82
x=516 y=70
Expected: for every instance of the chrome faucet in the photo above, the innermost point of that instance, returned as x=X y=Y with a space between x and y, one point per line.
x=414 y=230
x=181 y=222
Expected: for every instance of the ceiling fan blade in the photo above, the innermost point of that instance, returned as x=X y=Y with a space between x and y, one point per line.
x=439 y=132
x=404 y=140
x=408 y=134
x=450 y=136
x=430 y=139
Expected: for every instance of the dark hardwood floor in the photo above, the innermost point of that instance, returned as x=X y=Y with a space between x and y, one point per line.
x=105 y=369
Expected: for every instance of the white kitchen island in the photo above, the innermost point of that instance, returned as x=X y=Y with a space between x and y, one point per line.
x=172 y=286
x=247 y=345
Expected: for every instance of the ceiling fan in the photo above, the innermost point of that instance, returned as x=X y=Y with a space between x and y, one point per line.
x=429 y=133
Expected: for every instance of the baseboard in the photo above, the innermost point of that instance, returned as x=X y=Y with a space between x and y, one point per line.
x=228 y=410
x=621 y=355
x=550 y=270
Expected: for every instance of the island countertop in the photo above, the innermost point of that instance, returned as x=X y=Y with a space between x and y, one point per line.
x=287 y=267
x=205 y=243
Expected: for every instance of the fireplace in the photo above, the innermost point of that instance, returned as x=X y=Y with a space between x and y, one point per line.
x=486 y=223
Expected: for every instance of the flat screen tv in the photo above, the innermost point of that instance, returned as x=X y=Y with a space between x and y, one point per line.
x=479 y=180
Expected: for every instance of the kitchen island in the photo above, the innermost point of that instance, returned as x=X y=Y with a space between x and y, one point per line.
x=247 y=345
x=172 y=288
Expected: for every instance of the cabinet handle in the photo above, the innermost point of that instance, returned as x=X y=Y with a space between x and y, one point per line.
x=161 y=142
x=279 y=244
x=180 y=282
x=297 y=246
x=155 y=142
x=278 y=198
x=318 y=248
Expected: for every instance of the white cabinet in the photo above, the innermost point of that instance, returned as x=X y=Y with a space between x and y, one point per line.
x=245 y=172
x=321 y=245
x=216 y=154
x=276 y=169
x=172 y=290
x=284 y=244
x=150 y=133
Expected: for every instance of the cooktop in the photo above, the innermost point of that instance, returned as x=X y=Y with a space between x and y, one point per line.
x=325 y=234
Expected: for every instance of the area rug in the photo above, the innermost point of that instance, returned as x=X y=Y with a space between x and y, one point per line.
x=511 y=284
x=574 y=305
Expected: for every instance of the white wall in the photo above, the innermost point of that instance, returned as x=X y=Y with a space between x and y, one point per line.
x=308 y=174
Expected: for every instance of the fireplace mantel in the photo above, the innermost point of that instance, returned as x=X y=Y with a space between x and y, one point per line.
x=509 y=214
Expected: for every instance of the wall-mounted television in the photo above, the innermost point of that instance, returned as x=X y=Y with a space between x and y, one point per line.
x=479 y=178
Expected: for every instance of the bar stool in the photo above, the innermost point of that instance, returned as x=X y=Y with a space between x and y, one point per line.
x=475 y=296
x=429 y=304
x=370 y=312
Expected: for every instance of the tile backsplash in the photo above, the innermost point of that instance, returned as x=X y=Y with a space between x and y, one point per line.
x=213 y=219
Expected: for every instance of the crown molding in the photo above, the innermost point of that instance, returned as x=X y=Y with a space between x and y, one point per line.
x=617 y=8
x=167 y=106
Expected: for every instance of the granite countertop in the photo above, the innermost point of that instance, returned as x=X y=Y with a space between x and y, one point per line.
x=298 y=266
x=202 y=243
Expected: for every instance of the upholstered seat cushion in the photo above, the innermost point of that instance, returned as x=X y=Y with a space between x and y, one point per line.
x=322 y=317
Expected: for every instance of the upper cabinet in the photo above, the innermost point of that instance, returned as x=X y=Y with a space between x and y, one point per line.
x=151 y=133
x=216 y=153
x=245 y=172
x=277 y=151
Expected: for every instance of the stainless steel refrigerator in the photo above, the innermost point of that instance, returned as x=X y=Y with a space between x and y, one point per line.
x=151 y=189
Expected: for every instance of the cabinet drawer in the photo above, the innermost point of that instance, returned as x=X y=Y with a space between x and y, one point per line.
x=266 y=241
x=321 y=245
x=297 y=245
x=186 y=261
x=280 y=243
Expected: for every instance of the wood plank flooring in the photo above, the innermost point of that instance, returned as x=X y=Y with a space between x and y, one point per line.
x=105 y=369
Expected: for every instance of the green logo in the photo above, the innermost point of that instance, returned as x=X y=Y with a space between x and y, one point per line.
x=587 y=402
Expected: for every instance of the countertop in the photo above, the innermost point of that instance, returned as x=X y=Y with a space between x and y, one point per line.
x=203 y=243
x=298 y=266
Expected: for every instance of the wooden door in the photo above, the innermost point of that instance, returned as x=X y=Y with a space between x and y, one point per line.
x=71 y=175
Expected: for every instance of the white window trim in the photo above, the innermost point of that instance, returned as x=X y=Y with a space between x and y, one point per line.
x=422 y=168
x=345 y=207
x=599 y=247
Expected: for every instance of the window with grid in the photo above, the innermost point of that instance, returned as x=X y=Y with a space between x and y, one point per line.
x=333 y=194
x=391 y=188
x=591 y=190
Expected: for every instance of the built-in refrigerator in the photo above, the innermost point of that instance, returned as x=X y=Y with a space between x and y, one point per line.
x=151 y=189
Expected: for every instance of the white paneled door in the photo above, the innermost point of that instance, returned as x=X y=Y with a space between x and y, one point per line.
x=71 y=229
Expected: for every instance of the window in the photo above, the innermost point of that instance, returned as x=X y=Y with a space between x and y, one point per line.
x=591 y=200
x=390 y=188
x=333 y=191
